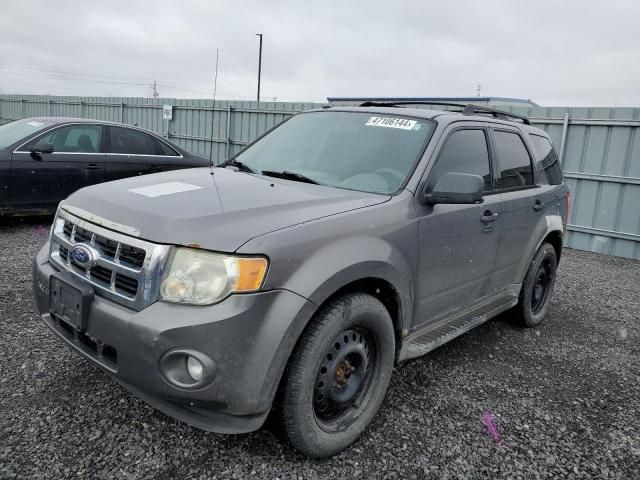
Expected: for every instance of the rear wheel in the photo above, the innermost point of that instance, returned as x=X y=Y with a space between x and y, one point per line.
x=338 y=375
x=537 y=287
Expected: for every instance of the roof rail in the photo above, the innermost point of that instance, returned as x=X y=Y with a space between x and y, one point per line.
x=473 y=109
x=469 y=109
x=418 y=102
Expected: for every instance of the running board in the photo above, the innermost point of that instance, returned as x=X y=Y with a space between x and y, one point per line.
x=443 y=333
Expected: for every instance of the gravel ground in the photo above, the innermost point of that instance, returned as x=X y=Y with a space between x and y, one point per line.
x=564 y=398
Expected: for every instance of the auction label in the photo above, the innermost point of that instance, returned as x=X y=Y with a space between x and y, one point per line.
x=390 y=122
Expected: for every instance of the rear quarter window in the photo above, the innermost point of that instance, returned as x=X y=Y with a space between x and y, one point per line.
x=546 y=159
x=164 y=149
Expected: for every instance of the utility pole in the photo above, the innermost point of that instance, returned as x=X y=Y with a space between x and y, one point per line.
x=259 y=63
x=155 y=90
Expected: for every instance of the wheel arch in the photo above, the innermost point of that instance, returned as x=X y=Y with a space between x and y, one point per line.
x=379 y=288
x=555 y=239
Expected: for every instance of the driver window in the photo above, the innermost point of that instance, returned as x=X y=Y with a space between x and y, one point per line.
x=73 y=139
x=464 y=151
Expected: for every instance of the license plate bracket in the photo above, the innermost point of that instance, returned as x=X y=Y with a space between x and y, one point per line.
x=69 y=300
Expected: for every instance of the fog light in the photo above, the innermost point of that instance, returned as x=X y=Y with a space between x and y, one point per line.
x=195 y=368
x=187 y=368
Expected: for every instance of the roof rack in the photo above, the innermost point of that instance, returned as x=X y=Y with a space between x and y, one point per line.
x=473 y=109
x=418 y=102
x=469 y=109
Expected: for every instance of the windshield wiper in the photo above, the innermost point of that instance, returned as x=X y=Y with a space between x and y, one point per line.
x=287 y=175
x=243 y=167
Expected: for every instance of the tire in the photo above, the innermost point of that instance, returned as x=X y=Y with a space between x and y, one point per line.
x=537 y=287
x=338 y=375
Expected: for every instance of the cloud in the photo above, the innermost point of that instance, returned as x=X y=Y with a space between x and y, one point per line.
x=556 y=53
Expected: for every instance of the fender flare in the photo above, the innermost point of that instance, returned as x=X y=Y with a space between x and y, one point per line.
x=355 y=259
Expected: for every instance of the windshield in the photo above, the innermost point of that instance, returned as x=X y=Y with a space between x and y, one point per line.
x=12 y=132
x=358 y=151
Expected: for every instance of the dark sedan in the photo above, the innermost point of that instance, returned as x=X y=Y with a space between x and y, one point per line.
x=44 y=160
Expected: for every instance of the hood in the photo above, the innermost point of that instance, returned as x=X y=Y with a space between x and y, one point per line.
x=217 y=211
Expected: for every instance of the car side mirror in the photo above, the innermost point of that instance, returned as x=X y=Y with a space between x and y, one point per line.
x=459 y=188
x=41 y=147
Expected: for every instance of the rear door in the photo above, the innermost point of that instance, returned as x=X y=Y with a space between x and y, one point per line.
x=524 y=206
x=458 y=243
x=550 y=174
x=132 y=152
x=41 y=180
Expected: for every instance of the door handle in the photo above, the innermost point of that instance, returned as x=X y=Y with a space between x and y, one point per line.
x=93 y=166
x=538 y=206
x=489 y=217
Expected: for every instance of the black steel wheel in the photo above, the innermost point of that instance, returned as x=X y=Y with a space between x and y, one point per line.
x=540 y=287
x=343 y=378
x=537 y=287
x=338 y=375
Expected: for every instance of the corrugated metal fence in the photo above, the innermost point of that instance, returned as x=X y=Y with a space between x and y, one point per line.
x=235 y=123
x=599 y=149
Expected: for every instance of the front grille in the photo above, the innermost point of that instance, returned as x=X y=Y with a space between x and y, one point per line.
x=129 y=255
x=132 y=255
x=127 y=270
x=110 y=249
x=82 y=235
x=101 y=274
x=126 y=284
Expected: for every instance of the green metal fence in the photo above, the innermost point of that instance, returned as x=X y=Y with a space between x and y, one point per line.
x=234 y=123
x=600 y=155
x=599 y=149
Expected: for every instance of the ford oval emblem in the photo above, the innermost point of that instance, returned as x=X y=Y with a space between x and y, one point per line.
x=83 y=256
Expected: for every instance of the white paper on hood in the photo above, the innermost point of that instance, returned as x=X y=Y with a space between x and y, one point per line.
x=167 y=188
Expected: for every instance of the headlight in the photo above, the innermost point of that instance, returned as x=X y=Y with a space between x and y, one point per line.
x=198 y=277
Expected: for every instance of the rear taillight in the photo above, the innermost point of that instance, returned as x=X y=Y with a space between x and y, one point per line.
x=568 y=200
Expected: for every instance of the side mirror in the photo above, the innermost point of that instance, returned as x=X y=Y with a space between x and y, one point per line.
x=41 y=147
x=460 y=188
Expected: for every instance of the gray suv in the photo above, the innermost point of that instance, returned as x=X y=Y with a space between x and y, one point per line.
x=290 y=279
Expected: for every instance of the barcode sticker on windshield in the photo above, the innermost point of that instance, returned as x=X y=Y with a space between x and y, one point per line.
x=390 y=122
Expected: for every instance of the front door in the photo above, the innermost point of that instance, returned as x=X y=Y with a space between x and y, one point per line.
x=458 y=243
x=41 y=180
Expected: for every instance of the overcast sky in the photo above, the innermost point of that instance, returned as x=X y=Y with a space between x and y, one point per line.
x=571 y=52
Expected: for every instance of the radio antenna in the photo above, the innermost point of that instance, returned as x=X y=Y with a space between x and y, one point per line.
x=213 y=114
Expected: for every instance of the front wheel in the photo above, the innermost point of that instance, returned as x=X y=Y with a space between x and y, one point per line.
x=537 y=287
x=338 y=375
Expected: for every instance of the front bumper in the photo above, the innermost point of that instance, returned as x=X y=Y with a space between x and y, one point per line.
x=248 y=337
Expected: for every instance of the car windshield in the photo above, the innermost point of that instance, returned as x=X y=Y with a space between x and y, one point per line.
x=12 y=132
x=368 y=152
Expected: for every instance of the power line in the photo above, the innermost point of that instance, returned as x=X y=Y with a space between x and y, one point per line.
x=68 y=79
x=40 y=70
x=63 y=87
x=58 y=75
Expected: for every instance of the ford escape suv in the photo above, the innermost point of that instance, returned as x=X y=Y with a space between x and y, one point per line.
x=290 y=279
